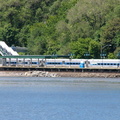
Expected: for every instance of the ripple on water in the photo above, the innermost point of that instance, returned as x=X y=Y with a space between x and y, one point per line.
x=29 y=98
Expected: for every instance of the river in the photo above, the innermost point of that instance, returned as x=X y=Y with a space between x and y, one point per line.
x=35 y=98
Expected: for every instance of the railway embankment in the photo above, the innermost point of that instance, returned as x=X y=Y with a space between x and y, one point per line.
x=58 y=74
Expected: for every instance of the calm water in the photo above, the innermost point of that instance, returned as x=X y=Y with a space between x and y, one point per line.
x=26 y=98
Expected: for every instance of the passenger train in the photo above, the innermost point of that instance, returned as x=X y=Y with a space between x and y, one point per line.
x=81 y=63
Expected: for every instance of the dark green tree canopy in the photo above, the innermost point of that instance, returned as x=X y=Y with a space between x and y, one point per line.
x=62 y=26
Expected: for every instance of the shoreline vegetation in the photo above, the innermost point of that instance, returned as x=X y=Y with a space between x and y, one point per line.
x=58 y=74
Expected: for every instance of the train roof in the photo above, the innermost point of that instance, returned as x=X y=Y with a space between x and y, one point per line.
x=36 y=56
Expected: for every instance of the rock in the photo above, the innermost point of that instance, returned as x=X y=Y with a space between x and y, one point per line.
x=40 y=74
x=28 y=73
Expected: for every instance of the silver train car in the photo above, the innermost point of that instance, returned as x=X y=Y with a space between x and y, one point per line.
x=80 y=63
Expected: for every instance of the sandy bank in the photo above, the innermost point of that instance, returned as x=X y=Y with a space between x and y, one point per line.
x=61 y=74
x=89 y=74
x=12 y=73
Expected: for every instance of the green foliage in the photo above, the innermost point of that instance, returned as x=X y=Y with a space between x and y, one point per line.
x=117 y=53
x=111 y=34
x=80 y=47
x=61 y=26
x=23 y=36
x=111 y=56
x=9 y=35
x=94 y=49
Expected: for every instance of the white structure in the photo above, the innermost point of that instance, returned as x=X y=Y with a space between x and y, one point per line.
x=6 y=50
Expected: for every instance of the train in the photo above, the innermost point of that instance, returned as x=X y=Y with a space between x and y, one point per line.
x=80 y=63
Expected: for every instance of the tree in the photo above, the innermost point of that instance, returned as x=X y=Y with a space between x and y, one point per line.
x=110 y=34
x=80 y=47
x=94 y=49
x=37 y=39
x=9 y=35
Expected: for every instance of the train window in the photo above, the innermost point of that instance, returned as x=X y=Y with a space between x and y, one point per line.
x=20 y=61
x=13 y=63
x=48 y=63
x=34 y=62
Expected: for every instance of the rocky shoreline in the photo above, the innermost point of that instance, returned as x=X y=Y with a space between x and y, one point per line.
x=58 y=74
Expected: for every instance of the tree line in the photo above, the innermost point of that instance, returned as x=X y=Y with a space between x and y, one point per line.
x=49 y=27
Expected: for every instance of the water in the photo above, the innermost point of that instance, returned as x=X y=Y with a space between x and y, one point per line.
x=29 y=98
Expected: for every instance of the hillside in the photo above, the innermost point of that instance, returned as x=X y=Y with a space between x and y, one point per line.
x=62 y=26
